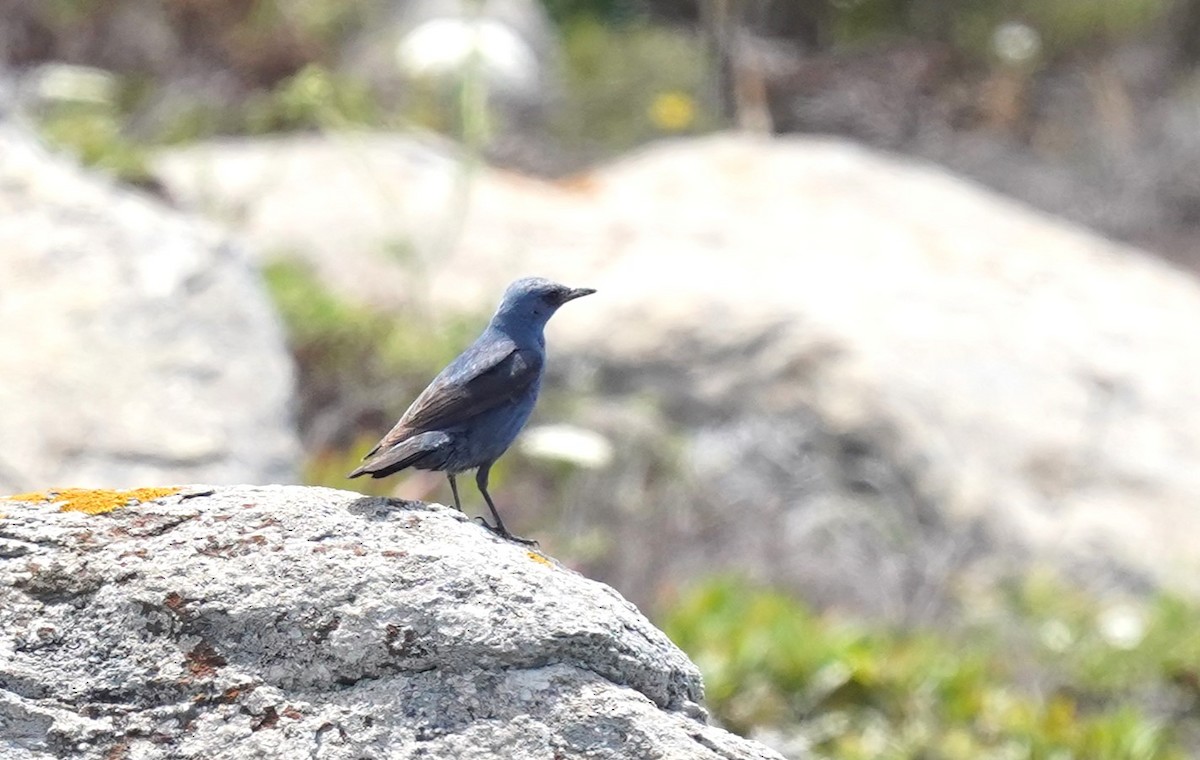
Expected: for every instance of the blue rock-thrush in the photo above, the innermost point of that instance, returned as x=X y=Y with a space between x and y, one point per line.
x=472 y=411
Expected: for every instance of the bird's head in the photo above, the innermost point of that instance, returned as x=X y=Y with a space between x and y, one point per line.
x=531 y=301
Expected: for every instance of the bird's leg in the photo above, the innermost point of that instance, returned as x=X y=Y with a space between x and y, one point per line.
x=481 y=480
x=454 y=490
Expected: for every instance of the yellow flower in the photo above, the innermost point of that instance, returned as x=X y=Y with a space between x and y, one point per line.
x=673 y=111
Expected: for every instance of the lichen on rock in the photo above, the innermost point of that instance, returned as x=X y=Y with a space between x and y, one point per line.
x=94 y=501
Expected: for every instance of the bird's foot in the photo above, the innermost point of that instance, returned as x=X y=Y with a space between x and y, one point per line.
x=502 y=532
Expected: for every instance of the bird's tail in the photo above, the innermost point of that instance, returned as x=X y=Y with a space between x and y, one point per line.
x=427 y=451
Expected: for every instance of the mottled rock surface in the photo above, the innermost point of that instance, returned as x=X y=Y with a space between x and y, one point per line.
x=882 y=373
x=285 y=622
x=136 y=344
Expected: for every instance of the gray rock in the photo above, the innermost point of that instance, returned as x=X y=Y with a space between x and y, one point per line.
x=897 y=376
x=284 y=621
x=882 y=375
x=137 y=344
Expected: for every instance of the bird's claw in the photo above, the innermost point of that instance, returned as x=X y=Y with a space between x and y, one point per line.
x=503 y=533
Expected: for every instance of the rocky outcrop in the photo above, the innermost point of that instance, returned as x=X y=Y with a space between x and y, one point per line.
x=138 y=344
x=882 y=374
x=302 y=622
x=896 y=376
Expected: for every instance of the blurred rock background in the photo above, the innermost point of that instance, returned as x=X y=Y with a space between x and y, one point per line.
x=886 y=408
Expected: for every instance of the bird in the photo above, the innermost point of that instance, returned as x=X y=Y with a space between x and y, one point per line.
x=473 y=410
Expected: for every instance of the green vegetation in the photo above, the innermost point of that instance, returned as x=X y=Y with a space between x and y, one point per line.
x=312 y=98
x=102 y=131
x=624 y=86
x=631 y=83
x=570 y=11
x=357 y=363
x=344 y=333
x=95 y=132
x=629 y=77
x=1049 y=674
x=1062 y=25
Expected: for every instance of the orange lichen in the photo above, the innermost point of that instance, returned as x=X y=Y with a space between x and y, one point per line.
x=538 y=558
x=26 y=497
x=94 y=501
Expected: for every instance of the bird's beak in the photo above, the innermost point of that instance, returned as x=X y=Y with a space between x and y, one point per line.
x=571 y=295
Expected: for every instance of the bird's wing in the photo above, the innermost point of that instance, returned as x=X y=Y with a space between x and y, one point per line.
x=483 y=377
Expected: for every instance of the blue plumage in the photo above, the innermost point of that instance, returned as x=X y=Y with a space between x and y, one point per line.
x=473 y=410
